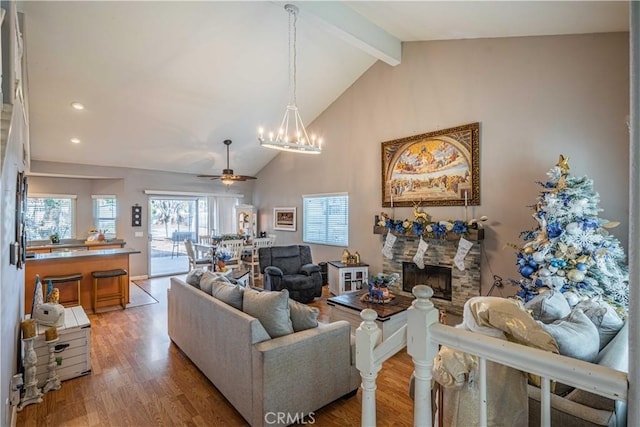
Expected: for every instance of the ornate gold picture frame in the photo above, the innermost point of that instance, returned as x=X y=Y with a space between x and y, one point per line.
x=440 y=168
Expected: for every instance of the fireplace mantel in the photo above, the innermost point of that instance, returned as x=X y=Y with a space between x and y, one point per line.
x=473 y=235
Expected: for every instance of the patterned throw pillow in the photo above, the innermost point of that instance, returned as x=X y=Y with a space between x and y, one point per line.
x=271 y=308
x=194 y=276
x=604 y=317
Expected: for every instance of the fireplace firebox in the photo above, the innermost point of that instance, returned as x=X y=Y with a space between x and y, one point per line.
x=436 y=277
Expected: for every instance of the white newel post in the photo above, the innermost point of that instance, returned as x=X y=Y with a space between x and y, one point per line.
x=367 y=337
x=420 y=316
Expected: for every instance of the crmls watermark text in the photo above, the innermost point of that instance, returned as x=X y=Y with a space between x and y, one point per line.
x=288 y=418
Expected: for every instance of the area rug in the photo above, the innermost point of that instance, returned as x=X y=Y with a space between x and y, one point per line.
x=138 y=296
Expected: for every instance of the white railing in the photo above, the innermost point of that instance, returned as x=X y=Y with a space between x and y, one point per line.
x=423 y=334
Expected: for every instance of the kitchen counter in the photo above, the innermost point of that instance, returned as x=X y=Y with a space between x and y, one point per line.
x=84 y=262
x=75 y=245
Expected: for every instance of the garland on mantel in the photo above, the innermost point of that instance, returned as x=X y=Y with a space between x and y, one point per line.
x=423 y=226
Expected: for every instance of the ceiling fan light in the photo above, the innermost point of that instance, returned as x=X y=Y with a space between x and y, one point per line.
x=226 y=181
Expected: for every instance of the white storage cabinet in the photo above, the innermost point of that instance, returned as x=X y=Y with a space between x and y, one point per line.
x=345 y=278
x=73 y=349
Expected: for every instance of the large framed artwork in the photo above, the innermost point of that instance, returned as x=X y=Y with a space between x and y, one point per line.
x=439 y=168
x=284 y=219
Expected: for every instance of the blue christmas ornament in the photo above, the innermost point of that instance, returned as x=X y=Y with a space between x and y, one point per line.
x=554 y=230
x=526 y=271
x=581 y=266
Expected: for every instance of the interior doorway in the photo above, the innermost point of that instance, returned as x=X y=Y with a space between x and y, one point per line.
x=172 y=220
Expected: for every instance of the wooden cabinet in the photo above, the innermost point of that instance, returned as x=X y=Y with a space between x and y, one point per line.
x=72 y=350
x=345 y=278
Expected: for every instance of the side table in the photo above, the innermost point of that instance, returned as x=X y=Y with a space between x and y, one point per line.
x=345 y=278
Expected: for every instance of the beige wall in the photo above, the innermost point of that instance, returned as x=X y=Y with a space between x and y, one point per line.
x=11 y=278
x=535 y=97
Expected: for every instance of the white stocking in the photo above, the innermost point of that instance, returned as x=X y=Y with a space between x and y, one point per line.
x=388 y=245
x=463 y=249
x=418 y=258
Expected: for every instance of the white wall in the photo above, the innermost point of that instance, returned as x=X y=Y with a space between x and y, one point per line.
x=535 y=97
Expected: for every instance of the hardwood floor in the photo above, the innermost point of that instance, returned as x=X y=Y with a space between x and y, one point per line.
x=139 y=378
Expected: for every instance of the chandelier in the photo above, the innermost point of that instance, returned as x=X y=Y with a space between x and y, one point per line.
x=291 y=136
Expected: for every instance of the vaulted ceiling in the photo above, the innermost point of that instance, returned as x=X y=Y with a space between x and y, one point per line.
x=164 y=83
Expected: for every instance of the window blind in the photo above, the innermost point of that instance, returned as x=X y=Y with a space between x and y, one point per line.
x=50 y=214
x=325 y=219
x=105 y=214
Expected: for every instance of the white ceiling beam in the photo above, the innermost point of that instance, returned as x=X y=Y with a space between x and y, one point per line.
x=355 y=29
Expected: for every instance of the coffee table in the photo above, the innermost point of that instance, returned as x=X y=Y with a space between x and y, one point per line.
x=391 y=315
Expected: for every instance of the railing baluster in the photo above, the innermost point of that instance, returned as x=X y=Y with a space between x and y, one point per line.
x=367 y=337
x=482 y=383
x=420 y=316
x=545 y=402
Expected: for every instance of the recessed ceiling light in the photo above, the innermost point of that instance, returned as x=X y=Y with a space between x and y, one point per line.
x=77 y=106
x=75 y=140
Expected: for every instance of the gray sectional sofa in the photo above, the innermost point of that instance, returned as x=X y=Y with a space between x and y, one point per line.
x=270 y=381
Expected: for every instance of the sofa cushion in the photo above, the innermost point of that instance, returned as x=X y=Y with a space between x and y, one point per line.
x=576 y=336
x=194 y=276
x=228 y=293
x=604 y=317
x=207 y=279
x=271 y=309
x=303 y=316
x=549 y=306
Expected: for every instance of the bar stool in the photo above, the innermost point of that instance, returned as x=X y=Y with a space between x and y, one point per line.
x=59 y=280
x=122 y=282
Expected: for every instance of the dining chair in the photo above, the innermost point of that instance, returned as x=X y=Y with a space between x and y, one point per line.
x=194 y=260
x=235 y=247
x=253 y=262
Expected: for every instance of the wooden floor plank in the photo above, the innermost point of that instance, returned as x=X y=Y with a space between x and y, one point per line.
x=140 y=378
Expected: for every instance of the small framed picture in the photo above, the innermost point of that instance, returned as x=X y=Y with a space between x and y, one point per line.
x=284 y=219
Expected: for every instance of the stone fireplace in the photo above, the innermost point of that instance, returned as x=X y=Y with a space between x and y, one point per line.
x=439 y=265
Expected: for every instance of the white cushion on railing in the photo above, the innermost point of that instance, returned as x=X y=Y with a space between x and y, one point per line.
x=575 y=335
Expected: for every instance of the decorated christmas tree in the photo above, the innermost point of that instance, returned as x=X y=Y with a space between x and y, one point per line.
x=570 y=249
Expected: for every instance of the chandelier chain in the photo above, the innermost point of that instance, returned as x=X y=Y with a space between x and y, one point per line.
x=293 y=16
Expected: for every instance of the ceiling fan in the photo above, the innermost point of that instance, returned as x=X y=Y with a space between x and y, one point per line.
x=228 y=177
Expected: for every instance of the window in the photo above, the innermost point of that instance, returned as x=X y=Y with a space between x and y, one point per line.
x=105 y=214
x=326 y=219
x=49 y=214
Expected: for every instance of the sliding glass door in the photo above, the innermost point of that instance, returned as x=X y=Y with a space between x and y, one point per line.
x=172 y=220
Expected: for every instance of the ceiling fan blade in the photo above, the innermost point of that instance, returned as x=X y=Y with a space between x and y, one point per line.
x=227 y=174
x=210 y=176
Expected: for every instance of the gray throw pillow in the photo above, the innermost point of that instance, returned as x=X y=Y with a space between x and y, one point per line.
x=303 y=316
x=271 y=308
x=575 y=335
x=207 y=279
x=227 y=293
x=194 y=276
x=604 y=317
x=549 y=306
